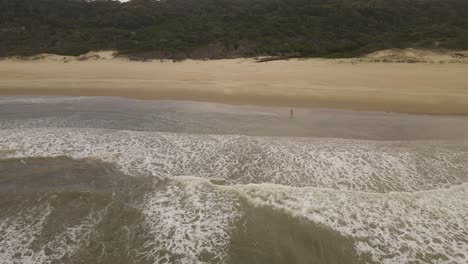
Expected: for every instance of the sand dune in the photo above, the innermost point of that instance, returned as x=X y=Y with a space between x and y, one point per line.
x=416 y=56
x=436 y=87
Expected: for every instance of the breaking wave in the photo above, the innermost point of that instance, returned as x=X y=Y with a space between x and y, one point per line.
x=398 y=201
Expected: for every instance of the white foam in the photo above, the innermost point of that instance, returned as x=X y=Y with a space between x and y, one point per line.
x=17 y=233
x=326 y=163
x=421 y=227
x=20 y=235
x=351 y=189
x=189 y=223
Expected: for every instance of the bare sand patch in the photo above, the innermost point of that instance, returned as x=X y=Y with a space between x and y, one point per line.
x=415 y=56
x=429 y=88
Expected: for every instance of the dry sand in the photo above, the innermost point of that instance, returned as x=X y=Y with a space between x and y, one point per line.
x=436 y=85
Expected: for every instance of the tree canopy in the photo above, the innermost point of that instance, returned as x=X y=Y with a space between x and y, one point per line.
x=230 y=28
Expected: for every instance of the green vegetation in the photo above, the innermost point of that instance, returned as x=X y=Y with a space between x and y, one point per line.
x=180 y=29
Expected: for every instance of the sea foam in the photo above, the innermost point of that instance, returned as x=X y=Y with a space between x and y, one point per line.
x=399 y=201
x=421 y=227
x=370 y=166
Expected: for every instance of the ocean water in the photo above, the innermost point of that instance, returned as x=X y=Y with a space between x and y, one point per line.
x=111 y=180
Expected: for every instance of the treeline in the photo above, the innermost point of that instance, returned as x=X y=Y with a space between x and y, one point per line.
x=180 y=29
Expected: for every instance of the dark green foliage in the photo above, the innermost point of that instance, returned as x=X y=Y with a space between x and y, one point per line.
x=230 y=28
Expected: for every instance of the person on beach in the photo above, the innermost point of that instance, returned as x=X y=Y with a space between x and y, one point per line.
x=292 y=113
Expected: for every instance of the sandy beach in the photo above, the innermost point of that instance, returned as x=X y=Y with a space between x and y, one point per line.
x=374 y=83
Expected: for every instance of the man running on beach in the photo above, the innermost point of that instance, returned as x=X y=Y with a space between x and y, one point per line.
x=291 y=113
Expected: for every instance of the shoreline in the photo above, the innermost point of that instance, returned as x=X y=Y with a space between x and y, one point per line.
x=247 y=100
x=411 y=88
x=221 y=119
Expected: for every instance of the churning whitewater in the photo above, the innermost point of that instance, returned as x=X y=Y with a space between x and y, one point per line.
x=188 y=192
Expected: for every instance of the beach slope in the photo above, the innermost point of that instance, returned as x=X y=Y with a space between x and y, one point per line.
x=376 y=83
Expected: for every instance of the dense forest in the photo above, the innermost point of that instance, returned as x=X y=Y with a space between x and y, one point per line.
x=180 y=29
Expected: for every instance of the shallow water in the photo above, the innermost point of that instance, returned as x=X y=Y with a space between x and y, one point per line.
x=110 y=180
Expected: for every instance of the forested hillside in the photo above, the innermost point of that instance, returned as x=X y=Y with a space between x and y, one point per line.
x=230 y=28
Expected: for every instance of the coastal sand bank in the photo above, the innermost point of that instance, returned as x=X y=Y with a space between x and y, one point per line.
x=436 y=87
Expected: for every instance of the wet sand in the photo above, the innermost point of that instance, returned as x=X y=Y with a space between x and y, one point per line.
x=213 y=118
x=422 y=88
